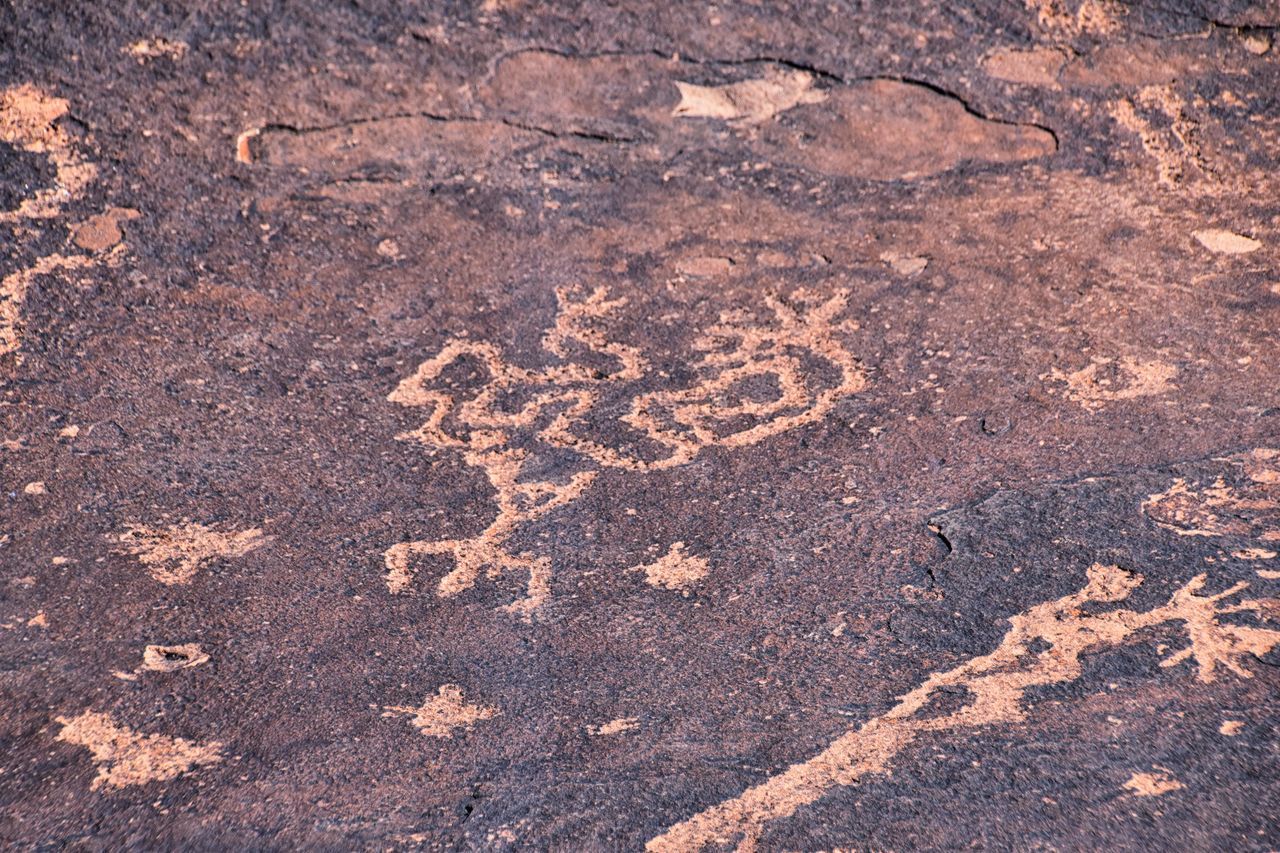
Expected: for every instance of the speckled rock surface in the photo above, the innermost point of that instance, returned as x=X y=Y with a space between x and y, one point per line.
x=598 y=426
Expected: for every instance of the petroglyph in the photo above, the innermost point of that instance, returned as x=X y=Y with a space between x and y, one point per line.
x=1172 y=140
x=443 y=714
x=675 y=570
x=153 y=48
x=27 y=118
x=520 y=411
x=996 y=685
x=1248 y=506
x=175 y=553
x=622 y=725
x=1106 y=380
x=124 y=757
x=1153 y=784
x=1097 y=17
x=13 y=291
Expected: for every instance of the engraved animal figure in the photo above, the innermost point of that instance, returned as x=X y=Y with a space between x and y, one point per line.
x=996 y=684
x=520 y=411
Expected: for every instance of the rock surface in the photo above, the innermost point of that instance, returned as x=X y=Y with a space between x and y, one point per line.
x=583 y=426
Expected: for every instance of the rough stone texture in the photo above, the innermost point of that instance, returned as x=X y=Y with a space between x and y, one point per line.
x=940 y=338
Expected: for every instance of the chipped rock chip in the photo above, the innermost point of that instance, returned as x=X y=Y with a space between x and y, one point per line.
x=1227 y=242
x=748 y=101
x=173 y=658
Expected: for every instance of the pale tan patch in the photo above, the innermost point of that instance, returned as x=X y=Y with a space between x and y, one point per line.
x=1232 y=100
x=1268 y=574
x=173 y=658
x=557 y=400
x=390 y=249
x=40 y=620
x=36 y=487
x=13 y=291
x=27 y=117
x=704 y=266
x=175 y=553
x=69 y=431
x=101 y=232
x=675 y=570
x=1262 y=465
x=443 y=714
x=1036 y=66
x=1175 y=150
x=1093 y=386
x=124 y=757
x=619 y=726
x=905 y=264
x=1256 y=42
x=1227 y=242
x=1153 y=784
x=995 y=684
x=749 y=101
x=493 y=6
x=1251 y=508
x=1254 y=554
x=1207 y=511
x=1231 y=728
x=1096 y=17
x=153 y=48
